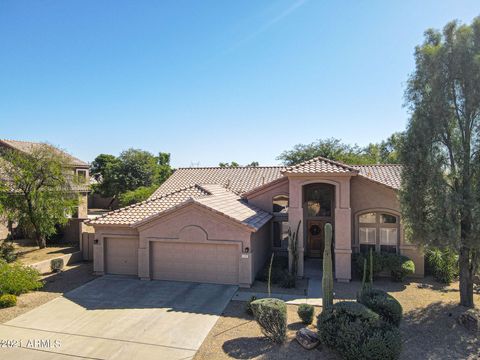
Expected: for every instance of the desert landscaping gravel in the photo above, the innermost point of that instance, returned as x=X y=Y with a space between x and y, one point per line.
x=429 y=328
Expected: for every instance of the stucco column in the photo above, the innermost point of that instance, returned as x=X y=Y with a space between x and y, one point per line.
x=143 y=258
x=98 y=256
x=343 y=244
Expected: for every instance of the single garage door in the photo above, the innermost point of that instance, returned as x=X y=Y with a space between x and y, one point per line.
x=121 y=256
x=211 y=263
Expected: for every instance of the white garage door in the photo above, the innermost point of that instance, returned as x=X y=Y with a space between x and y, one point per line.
x=121 y=256
x=211 y=263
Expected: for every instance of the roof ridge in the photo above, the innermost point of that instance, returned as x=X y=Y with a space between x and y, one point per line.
x=334 y=162
x=377 y=165
x=231 y=167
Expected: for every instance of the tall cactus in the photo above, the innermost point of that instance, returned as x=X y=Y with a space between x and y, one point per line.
x=327 y=279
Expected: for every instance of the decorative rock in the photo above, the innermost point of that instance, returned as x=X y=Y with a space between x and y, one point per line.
x=470 y=319
x=307 y=338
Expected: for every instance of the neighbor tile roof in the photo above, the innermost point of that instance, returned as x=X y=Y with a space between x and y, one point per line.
x=239 y=180
x=214 y=197
x=389 y=175
x=27 y=147
x=319 y=165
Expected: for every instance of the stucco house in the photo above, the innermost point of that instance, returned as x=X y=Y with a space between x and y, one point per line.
x=77 y=168
x=219 y=225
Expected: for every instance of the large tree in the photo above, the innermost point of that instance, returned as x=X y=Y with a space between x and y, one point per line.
x=441 y=150
x=335 y=149
x=133 y=169
x=36 y=190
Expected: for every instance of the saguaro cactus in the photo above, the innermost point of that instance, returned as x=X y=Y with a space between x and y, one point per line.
x=327 y=279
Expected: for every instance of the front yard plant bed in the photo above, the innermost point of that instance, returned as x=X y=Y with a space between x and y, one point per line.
x=429 y=327
x=17 y=279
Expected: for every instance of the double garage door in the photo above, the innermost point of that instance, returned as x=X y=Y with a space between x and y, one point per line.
x=197 y=262
x=212 y=263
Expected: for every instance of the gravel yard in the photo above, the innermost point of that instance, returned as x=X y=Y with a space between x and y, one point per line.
x=429 y=328
x=55 y=285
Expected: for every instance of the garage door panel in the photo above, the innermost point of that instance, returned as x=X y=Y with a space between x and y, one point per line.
x=121 y=256
x=198 y=262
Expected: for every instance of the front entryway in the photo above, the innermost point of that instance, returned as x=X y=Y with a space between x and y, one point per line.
x=318 y=211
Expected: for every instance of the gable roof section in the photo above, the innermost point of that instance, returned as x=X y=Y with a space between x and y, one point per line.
x=239 y=180
x=389 y=174
x=27 y=147
x=212 y=197
x=320 y=165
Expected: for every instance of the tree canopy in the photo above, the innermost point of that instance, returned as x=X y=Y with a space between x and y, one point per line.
x=36 y=190
x=385 y=152
x=134 y=169
x=441 y=149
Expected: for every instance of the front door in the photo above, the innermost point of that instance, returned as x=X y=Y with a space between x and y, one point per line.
x=316 y=237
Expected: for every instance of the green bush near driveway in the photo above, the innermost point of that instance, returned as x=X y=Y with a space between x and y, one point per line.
x=7 y=300
x=357 y=332
x=305 y=312
x=383 y=304
x=271 y=315
x=248 y=307
x=17 y=279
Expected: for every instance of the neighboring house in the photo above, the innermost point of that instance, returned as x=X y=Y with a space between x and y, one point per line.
x=219 y=225
x=77 y=168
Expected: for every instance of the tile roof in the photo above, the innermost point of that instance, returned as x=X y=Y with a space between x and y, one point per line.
x=389 y=175
x=214 y=197
x=320 y=165
x=27 y=147
x=238 y=180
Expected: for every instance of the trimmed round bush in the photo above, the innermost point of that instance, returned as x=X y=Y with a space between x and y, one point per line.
x=357 y=332
x=305 y=312
x=400 y=266
x=8 y=300
x=383 y=304
x=271 y=315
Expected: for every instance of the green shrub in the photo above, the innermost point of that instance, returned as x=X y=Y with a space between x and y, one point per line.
x=56 y=265
x=383 y=304
x=248 y=307
x=443 y=264
x=7 y=300
x=357 y=332
x=305 y=312
x=288 y=280
x=399 y=266
x=135 y=196
x=7 y=252
x=271 y=315
x=18 y=279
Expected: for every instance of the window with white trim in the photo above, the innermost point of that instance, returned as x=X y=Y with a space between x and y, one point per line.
x=378 y=231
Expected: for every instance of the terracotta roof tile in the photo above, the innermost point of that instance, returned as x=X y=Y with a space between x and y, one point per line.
x=214 y=197
x=319 y=165
x=239 y=180
x=389 y=175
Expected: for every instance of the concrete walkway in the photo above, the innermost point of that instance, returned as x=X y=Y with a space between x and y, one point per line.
x=313 y=272
x=118 y=318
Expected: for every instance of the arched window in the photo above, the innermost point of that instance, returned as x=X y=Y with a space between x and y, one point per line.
x=378 y=231
x=280 y=204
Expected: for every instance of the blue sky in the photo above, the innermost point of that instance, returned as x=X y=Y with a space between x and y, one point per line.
x=209 y=81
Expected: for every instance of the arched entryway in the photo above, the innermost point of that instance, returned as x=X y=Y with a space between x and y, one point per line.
x=319 y=209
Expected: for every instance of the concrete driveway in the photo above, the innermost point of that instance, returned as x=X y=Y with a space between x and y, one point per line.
x=118 y=318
